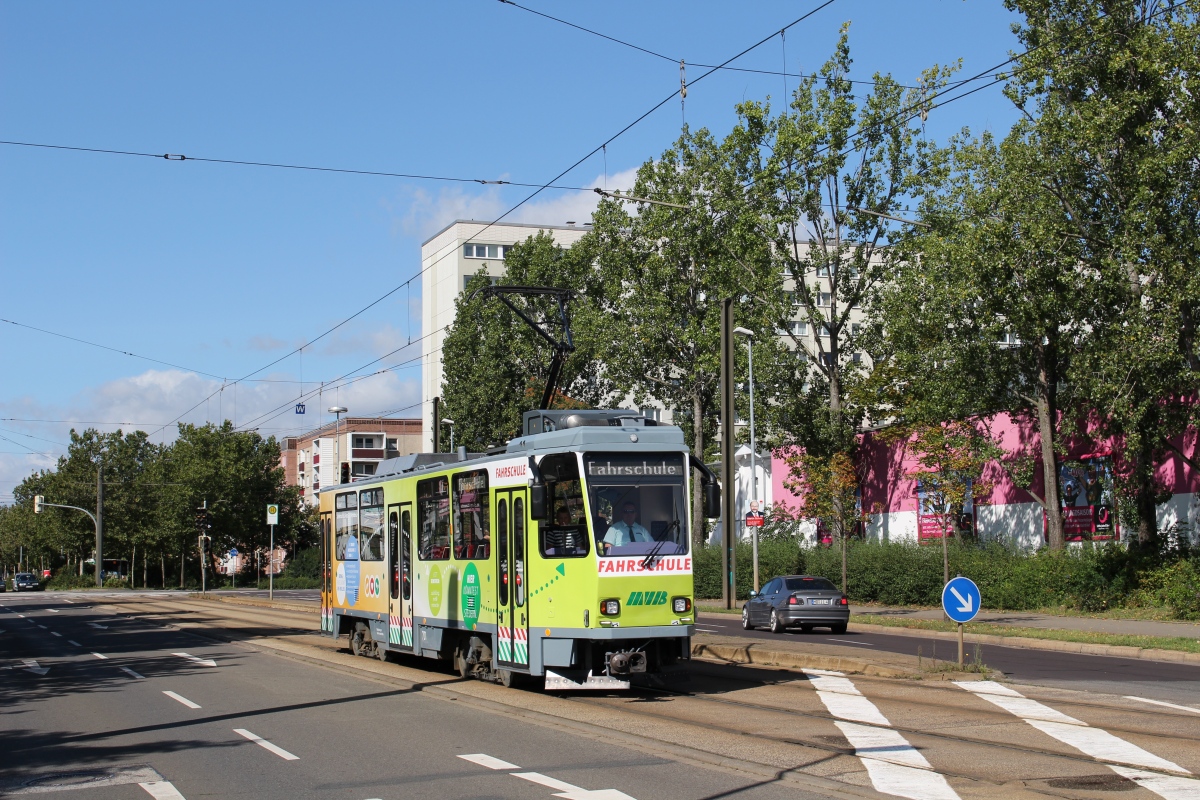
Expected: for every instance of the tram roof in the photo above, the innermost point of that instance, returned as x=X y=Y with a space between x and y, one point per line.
x=587 y=430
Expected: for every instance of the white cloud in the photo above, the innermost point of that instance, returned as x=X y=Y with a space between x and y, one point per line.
x=149 y=400
x=421 y=213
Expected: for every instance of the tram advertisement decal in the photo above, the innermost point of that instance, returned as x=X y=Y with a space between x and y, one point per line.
x=347 y=574
x=470 y=596
x=435 y=590
x=1086 y=489
x=616 y=566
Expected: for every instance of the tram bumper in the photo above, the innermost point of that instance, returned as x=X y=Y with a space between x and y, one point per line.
x=609 y=658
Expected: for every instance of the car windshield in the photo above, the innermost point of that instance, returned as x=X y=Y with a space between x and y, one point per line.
x=809 y=585
x=24 y=575
x=638 y=503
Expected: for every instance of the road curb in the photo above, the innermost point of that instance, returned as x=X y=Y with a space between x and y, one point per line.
x=755 y=654
x=1026 y=643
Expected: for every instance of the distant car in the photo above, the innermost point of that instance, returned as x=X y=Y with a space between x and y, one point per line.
x=803 y=601
x=25 y=582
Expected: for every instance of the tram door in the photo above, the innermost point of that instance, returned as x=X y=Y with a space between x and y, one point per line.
x=512 y=613
x=400 y=618
x=326 y=572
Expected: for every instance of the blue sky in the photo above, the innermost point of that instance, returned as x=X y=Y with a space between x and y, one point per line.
x=221 y=269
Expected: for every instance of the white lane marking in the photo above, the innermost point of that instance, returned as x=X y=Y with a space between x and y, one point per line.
x=1172 y=787
x=43 y=627
x=570 y=791
x=134 y=674
x=894 y=766
x=263 y=743
x=68 y=600
x=32 y=666
x=100 y=655
x=56 y=633
x=484 y=760
x=181 y=699
x=204 y=662
x=72 y=641
x=847 y=641
x=1095 y=742
x=22 y=616
x=52 y=610
x=97 y=625
x=1163 y=703
x=162 y=790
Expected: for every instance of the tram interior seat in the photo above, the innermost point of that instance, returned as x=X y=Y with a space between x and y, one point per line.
x=564 y=540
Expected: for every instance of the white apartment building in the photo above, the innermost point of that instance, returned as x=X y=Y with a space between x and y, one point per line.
x=448 y=259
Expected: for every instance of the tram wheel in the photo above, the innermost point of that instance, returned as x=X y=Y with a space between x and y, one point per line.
x=460 y=662
x=509 y=679
x=358 y=639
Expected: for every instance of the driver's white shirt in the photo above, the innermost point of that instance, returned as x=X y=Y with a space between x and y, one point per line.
x=622 y=533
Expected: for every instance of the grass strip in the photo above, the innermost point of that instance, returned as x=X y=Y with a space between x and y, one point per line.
x=1181 y=643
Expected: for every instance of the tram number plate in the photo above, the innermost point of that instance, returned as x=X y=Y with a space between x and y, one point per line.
x=820 y=602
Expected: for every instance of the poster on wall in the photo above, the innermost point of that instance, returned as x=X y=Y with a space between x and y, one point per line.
x=933 y=521
x=1088 y=502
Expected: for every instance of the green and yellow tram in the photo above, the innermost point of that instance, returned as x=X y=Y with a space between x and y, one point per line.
x=566 y=555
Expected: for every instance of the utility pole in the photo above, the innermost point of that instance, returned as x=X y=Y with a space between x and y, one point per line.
x=100 y=525
x=728 y=559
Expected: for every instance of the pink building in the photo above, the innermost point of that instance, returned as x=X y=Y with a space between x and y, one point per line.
x=894 y=503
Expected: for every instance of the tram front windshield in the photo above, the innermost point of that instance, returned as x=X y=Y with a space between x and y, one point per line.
x=638 y=503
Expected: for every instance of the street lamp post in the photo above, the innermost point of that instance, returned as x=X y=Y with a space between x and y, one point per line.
x=337 y=439
x=450 y=422
x=749 y=334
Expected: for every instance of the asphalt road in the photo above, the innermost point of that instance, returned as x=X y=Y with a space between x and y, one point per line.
x=106 y=705
x=1178 y=683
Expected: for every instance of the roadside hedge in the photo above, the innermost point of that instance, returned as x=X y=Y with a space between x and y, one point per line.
x=1090 y=578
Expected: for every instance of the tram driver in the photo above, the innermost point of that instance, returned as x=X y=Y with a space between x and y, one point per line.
x=627 y=529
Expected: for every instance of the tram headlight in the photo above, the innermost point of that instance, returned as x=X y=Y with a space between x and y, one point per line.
x=681 y=605
x=610 y=608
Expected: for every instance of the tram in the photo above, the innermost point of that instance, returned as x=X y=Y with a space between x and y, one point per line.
x=563 y=556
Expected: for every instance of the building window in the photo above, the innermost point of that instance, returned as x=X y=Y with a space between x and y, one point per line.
x=823 y=299
x=856 y=358
x=827 y=359
x=492 y=280
x=360 y=469
x=364 y=441
x=486 y=250
x=855 y=328
x=799 y=328
x=825 y=329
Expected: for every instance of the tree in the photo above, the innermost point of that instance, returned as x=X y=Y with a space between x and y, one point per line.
x=829 y=487
x=666 y=270
x=496 y=366
x=950 y=461
x=989 y=309
x=1107 y=90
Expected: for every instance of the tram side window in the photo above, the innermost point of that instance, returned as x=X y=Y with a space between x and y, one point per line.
x=502 y=544
x=370 y=525
x=346 y=527
x=394 y=552
x=405 y=544
x=565 y=535
x=519 y=550
x=472 y=528
x=433 y=517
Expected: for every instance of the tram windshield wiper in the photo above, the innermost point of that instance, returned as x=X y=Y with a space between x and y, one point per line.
x=652 y=557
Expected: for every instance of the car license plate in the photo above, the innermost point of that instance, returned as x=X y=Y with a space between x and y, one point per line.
x=821 y=602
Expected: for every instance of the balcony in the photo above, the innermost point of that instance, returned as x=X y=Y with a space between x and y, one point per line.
x=366 y=452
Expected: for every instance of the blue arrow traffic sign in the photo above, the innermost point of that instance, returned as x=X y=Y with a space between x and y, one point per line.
x=960 y=599
x=233 y=554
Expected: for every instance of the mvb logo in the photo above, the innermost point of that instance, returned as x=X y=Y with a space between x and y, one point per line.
x=647 y=599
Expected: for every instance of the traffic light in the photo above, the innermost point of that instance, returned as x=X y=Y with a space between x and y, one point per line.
x=37 y=503
x=345 y=472
x=202 y=522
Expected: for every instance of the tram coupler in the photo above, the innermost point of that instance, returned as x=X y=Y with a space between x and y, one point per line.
x=625 y=662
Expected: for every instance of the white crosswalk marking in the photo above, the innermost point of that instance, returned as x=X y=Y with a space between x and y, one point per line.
x=894 y=766
x=161 y=790
x=1095 y=742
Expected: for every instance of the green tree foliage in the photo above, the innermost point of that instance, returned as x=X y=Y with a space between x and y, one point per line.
x=496 y=366
x=1109 y=97
x=151 y=493
x=667 y=269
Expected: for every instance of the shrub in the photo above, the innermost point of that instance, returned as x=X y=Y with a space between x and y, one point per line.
x=286 y=581
x=306 y=564
x=67 y=579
